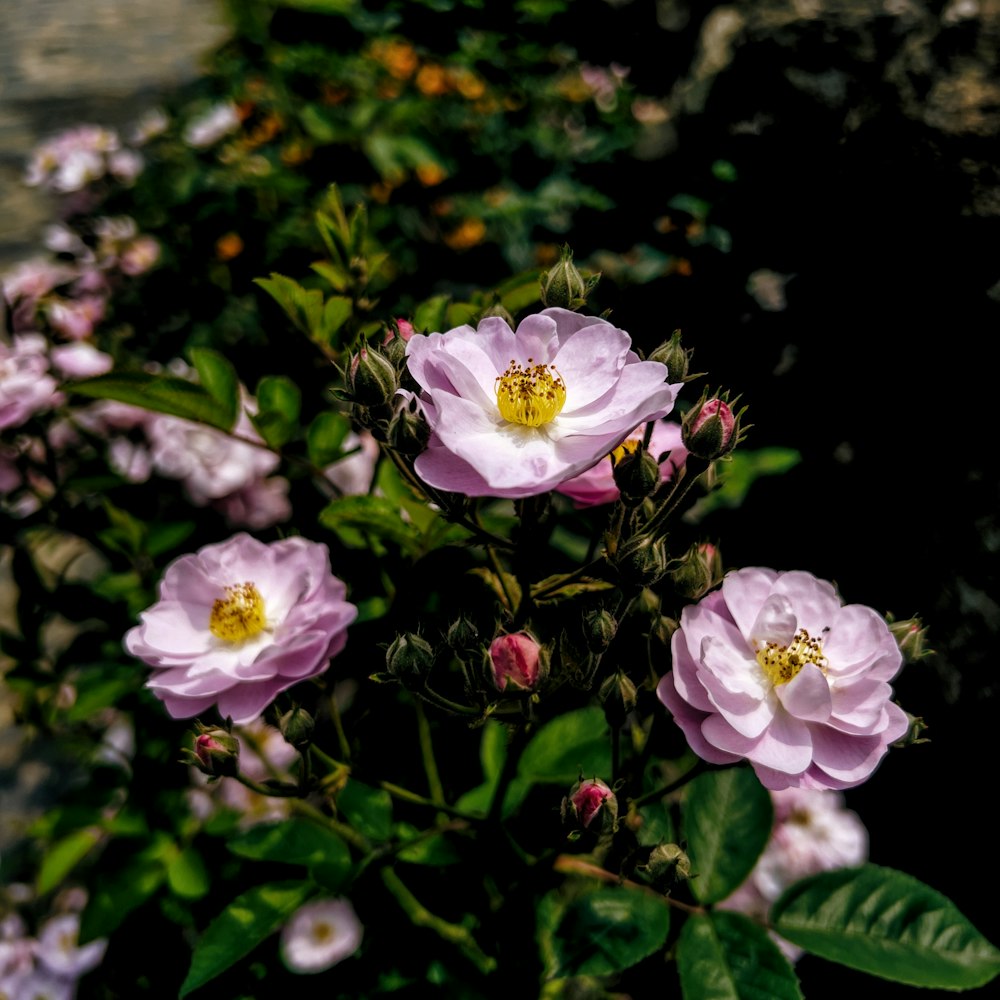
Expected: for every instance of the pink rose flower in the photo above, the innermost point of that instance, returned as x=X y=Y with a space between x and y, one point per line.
x=26 y=387
x=772 y=668
x=320 y=934
x=812 y=833
x=516 y=414
x=597 y=484
x=80 y=360
x=239 y=622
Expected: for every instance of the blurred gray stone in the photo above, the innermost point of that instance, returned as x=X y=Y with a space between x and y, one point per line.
x=64 y=62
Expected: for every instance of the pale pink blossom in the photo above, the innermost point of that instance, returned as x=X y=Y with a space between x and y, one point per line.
x=353 y=475
x=31 y=279
x=259 y=504
x=139 y=255
x=597 y=484
x=80 y=360
x=212 y=125
x=26 y=387
x=772 y=668
x=75 y=319
x=210 y=463
x=73 y=159
x=319 y=935
x=516 y=414
x=812 y=833
x=125 y=165
x=239 y=622
x=58 y=951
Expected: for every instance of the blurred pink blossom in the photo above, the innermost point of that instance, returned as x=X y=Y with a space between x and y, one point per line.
x=319 y=935
x=75 y=319
x=72 y=159
x=26 y=387
x=80 y=360
x=259 y=504
x=353 y=475
x=212 y=125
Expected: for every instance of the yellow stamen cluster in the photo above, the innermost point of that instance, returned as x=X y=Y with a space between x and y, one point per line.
x=783 y=663
x=531 y=395
x=239 y=615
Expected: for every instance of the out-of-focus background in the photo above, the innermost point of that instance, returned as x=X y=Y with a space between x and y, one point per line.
x=63 y=62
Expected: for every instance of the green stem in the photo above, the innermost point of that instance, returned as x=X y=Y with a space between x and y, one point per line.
x=420 y=916
x=569 y=864
x=427 y=753
x=507 y=772
x=699 y=768
x=681 y=488
x=345 y=746
x=512 y=605
x=571 y=577
x=405 y=795
x=342 y=830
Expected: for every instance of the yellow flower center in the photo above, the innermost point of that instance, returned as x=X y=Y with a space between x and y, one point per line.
x=628 y=447
x=239 y=615
x=531 y=395
x=783 y=663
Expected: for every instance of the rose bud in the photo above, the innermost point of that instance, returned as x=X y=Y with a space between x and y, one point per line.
x=586 y=800
x=516 y=658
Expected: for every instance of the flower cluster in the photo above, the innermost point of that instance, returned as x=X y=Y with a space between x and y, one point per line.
x=772 y=668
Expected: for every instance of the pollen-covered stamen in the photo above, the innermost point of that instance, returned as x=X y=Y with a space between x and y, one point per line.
x=783 y=663
x=531 y=395
x=239 y=615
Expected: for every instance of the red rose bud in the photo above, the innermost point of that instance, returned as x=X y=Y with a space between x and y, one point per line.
x=710 y=429
x=516 y=659
x=588 y=799
x=371 y=378
x=216 y=753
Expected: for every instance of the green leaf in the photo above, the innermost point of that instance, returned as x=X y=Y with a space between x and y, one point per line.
x=357 y=520
x=725 y=956
x=325 y=436
x=294 y=842
x=437 y=850
x=602 y=932
x=187 y=875
x=369 y=810
x=570 y=745
x=219 y=379
x=428 y=317
x=336 y=313
x=113 y=898
x=240 y=927
x=492 y=754
x=160 y=393
x=279 y=403
x=727 y=820
x=737 y=475
x=889 y=924
x=303 y=306
x=63 y=856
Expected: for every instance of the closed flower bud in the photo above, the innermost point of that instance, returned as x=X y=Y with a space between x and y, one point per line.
x=699 y=571
x=563 y=285
x=498 y=309
x=710 y=429
x=914 y=733
x=588 y=800
x=410 y=657
x=911 y=637
x=674 y=356
x=599 y=628
x=461 y=635
x=618 y=695
x=371 y=378
x=394 y=350
x=216 y=753
x=667 y=865
x=297 y=726
x=516 y=659
x=408 y=430
x=636 y=472
x=642 y=560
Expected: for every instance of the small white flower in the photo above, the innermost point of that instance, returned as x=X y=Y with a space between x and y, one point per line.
x=320 y=935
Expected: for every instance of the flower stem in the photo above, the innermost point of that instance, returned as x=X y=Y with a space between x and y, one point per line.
x=699 y=768
x=420 y=916
x=427 y=753
x=345 y=746
x=569 y=864
x=342 y=830
x=405 y=795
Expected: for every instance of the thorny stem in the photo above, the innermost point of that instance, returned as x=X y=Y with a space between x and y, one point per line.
x=422 y=917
